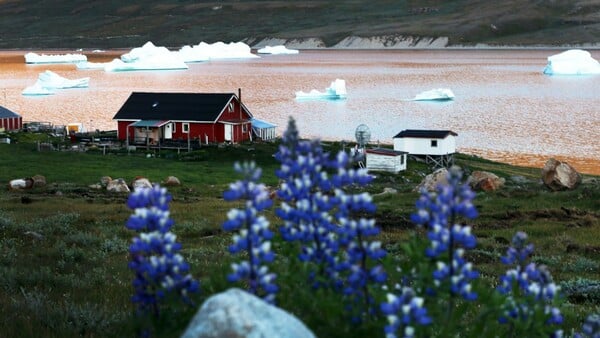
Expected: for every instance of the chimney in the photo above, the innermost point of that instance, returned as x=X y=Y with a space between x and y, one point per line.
x=240 y=99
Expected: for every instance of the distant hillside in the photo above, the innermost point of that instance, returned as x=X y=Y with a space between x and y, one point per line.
x=123 y=24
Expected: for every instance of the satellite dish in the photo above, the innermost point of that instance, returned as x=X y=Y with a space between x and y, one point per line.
x=363 y=135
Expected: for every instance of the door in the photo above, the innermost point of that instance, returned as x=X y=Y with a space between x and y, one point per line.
x=228 y=132
x=169 y=131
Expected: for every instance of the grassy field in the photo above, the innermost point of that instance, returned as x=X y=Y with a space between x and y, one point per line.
x=64 y=247
x=110 y=24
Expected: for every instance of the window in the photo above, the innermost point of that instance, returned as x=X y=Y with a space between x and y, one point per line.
x=433 y=143
x=185 y=128
x=244 y=128
x=402 y=159
x=231 y=107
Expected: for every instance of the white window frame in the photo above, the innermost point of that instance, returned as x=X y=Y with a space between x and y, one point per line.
x=231 y=110
x=185 y=127
x=244 y=128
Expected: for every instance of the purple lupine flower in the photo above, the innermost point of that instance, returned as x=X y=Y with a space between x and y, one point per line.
x=439 y=212
x=252 y=233
x=590 y=328
x=159 y=268
x=308 y=199
x=403 y=312
x=529 y=287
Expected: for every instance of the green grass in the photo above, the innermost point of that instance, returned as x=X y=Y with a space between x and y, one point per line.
x=63 y=247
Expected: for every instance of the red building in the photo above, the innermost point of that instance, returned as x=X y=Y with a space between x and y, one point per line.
x=10 y=120
x=157 y=118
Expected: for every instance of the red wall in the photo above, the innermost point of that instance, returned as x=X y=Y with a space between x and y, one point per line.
x=11 y=123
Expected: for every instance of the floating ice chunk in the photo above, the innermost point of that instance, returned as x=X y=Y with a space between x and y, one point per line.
x=279 y=49
x=336 y=91
x=148 y=50
x=90 y=65
x=193 y=54
x=439 y=94
x=58 y=58
x=37 y=89
x=220 y=50
x=48 y=80
x=572 y=62
x=147 y=57
x=51 y=80
x=153 y=63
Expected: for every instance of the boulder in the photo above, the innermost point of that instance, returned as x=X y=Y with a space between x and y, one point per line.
x=117 y=185
x=486 y=181
x=20 y=184
x=104 y=180
x=171 y=181
x=39 y=181
x=239 y=314
x=431 y=181
x=558 y=175
x=141 y=182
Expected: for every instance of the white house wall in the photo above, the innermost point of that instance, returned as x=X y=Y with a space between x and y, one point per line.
x=422 y=146
x=386 y=162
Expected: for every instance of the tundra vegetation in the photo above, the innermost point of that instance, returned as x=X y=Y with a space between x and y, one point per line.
x=66 y=250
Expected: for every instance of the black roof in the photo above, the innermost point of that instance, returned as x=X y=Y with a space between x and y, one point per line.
x=424 y=133
x=174 y=106
x=4 y=113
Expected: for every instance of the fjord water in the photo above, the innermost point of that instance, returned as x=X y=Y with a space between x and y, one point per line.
x=505 y=109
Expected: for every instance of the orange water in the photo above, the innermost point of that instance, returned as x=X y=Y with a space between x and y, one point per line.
x=505 y=108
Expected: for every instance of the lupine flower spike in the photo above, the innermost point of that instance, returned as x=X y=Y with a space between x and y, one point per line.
x=403 y=312
x=529 y=287
x=439 y=212
x=590 y=328
x=307 y=202
x=252 y=233
x=159 y=268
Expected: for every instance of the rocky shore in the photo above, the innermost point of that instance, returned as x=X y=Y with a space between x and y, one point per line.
x=392 y=42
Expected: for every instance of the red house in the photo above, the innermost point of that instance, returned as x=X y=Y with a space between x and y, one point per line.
x=10 y=120
x=157 y=118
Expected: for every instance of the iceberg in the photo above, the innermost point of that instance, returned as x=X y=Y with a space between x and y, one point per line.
x=48 y=80
x=572 y=62
x=439 y=94
x=216 y=51
x=90 y=65
x=336 y=91
x=276 y=50
x=147 y=57
x=51 y=80
x=37 y=89
x=59 y=58
x=152 y=63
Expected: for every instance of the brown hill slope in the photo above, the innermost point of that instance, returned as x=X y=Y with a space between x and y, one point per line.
x=114 y=24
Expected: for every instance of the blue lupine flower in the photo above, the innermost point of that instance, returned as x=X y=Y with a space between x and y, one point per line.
x=308 y=199
x=590 y=328
x=159 y=268
x=252 y=233
x=529 y=287
x=439 y=212
x=403 y=312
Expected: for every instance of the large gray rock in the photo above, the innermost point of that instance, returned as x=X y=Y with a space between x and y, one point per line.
x=486 y=181
x=39 y=181
x=239 y=314
x=431 y=181
x=117 y=185
x=141 y=182
x=558 y=175
x=171 y=181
